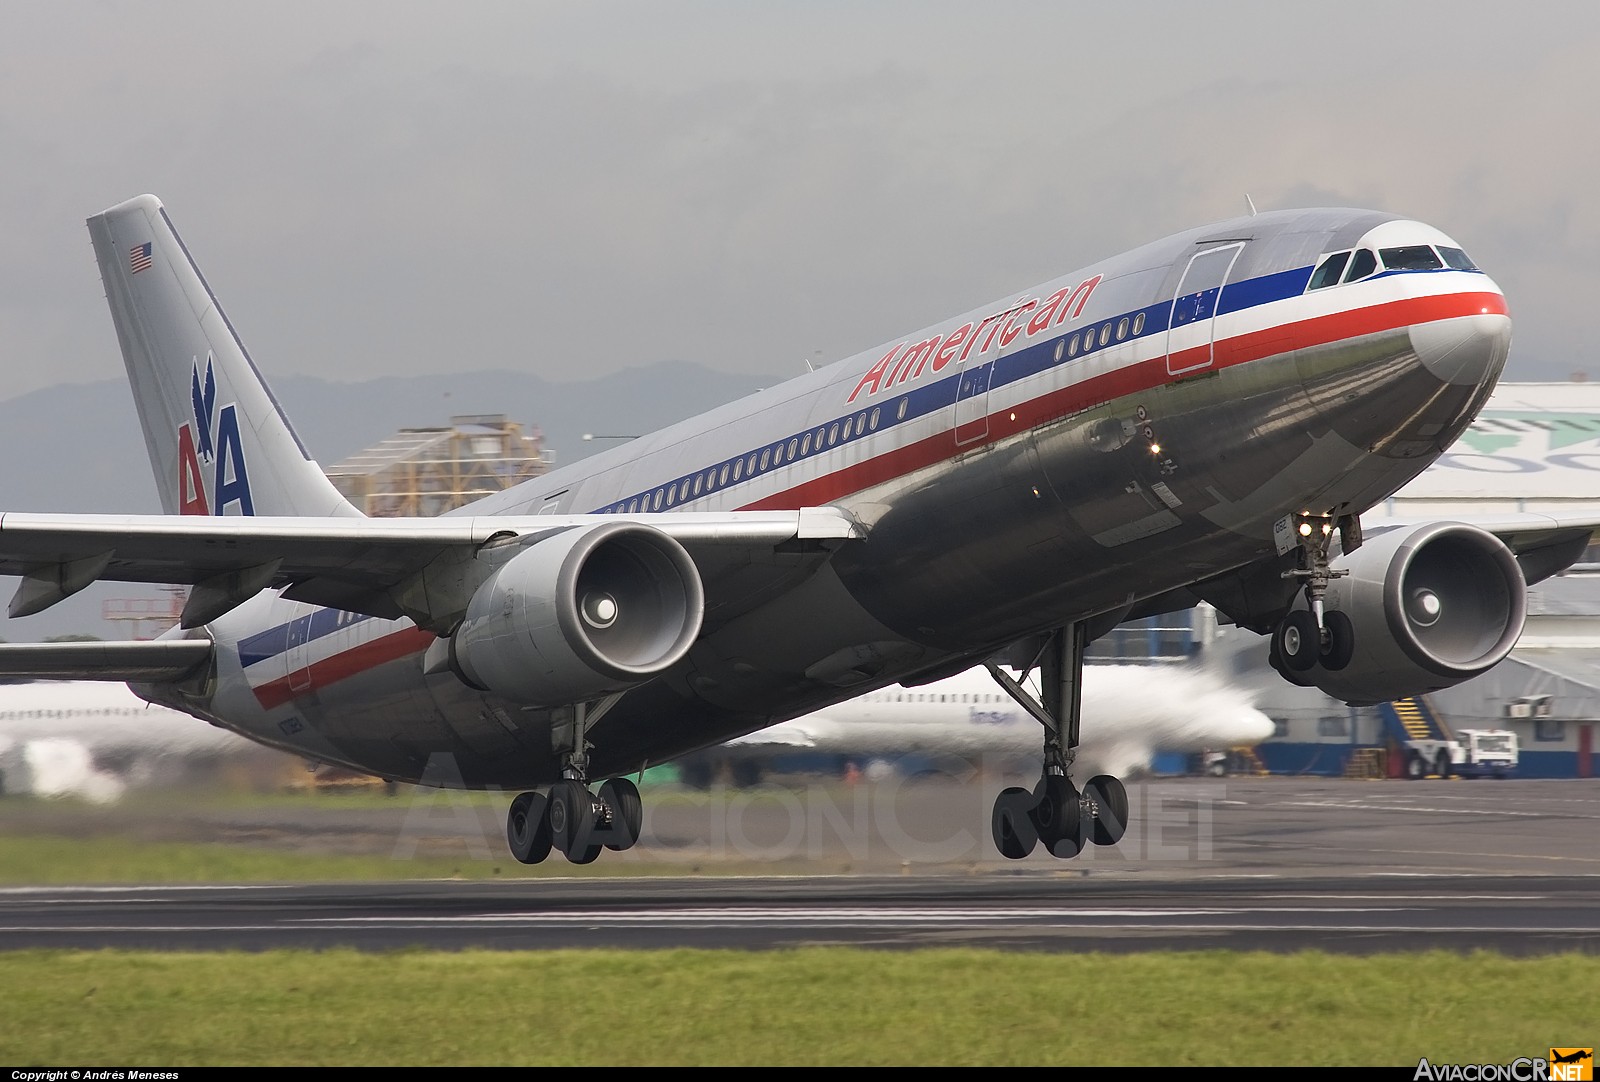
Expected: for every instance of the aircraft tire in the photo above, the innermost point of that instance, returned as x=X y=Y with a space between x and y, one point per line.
x=1341 y=645
x=1106 y=801
x=627 y=813
x=528 y=828
x=1057 y=815
x=1014 y=832
x=1416 y=769
x=572 y=823
x=1297 y=641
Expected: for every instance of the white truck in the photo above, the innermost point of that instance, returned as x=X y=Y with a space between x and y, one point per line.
x=1474 y=753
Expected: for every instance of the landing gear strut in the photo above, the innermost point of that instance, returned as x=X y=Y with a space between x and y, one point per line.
x=1313 y=635
x=569 y=818
x=1056 y=812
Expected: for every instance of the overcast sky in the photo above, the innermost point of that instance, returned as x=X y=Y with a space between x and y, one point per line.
x=380 y=188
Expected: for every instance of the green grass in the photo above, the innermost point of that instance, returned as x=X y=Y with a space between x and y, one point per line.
x=819 y=1006
x=60 y=842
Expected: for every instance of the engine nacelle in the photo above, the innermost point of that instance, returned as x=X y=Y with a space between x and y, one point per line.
x=581 y=614
x=1429 y=606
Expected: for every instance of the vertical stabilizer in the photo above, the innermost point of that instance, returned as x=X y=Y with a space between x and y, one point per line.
x=218 y=440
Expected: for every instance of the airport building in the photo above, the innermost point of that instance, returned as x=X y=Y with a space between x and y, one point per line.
x=1535 y=448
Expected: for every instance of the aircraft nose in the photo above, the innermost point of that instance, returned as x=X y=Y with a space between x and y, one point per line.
x=1466 y=350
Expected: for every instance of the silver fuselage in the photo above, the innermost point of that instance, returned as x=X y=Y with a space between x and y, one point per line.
x=1009 y=478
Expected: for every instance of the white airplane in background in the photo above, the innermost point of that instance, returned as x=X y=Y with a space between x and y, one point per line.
x=1196 y=419
x=1130 y=712
x=94 y=739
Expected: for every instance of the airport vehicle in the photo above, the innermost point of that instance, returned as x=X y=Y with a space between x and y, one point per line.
x=1129 y=713
x=1473 y=753
x=1197 y=419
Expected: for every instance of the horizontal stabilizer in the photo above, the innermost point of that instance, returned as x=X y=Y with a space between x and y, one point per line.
x=161 y=661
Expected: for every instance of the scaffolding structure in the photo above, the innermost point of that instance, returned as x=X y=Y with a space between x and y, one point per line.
x=421 y=472
x=149 y=616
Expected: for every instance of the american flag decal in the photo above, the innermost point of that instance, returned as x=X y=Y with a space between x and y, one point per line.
x=139 y=258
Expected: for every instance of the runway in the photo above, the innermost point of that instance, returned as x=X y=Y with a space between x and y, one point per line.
x=1248 y=863
x=1348 y=914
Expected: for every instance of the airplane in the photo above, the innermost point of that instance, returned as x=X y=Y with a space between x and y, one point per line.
x=93 y=739
x=1129 y=713
x=1205 y=417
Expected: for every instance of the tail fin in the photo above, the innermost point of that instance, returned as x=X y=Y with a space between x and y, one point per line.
x=218 y=440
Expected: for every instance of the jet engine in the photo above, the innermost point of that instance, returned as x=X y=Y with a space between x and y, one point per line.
x=579 y=615
x=1422 y=608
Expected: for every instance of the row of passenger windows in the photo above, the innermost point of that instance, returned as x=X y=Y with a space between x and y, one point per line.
x=105 y=712
x=828 y=436
x=821 y=438
x=929 y=697
x=1085 y=340
x=1352 y=266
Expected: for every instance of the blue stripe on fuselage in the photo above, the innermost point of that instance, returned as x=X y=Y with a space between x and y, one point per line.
x=268 y=644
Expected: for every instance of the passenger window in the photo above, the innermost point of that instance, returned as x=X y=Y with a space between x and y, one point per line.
x=792 y=445
x=1328 y=271
x=723 y=478
x=1061 y=347
x=833 y=434
x=861 y=423
x=1122 y=328
x=874 y=422
x=1361 y=265
x=738 y=469
x=1138 y=324
x=697 y=480
x=1072 y=346
x=805 y=444
x=1105 y=334
x=766 y=454
x=1411 y=257
x=1456 y=259
x=900 y=414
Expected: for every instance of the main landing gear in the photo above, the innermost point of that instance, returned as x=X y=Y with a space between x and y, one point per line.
x=569 y=818
x=1056 y=812
x=1306 y=637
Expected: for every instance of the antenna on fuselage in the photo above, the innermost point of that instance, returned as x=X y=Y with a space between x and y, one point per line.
x=1251 y=203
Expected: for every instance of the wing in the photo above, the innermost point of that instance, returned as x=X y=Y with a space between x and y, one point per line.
x=1544 y=543
x=419 y=568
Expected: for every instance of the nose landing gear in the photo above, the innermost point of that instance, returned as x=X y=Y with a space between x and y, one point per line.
x=1307 y=637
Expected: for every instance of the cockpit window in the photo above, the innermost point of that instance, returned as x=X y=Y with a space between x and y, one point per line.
x=1363 y=264
x=1328 y=271
x=1456 y=259
x=1411 y=257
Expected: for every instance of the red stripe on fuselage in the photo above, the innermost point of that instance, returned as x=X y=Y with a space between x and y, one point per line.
x=341 y=666
x=1132 y=379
